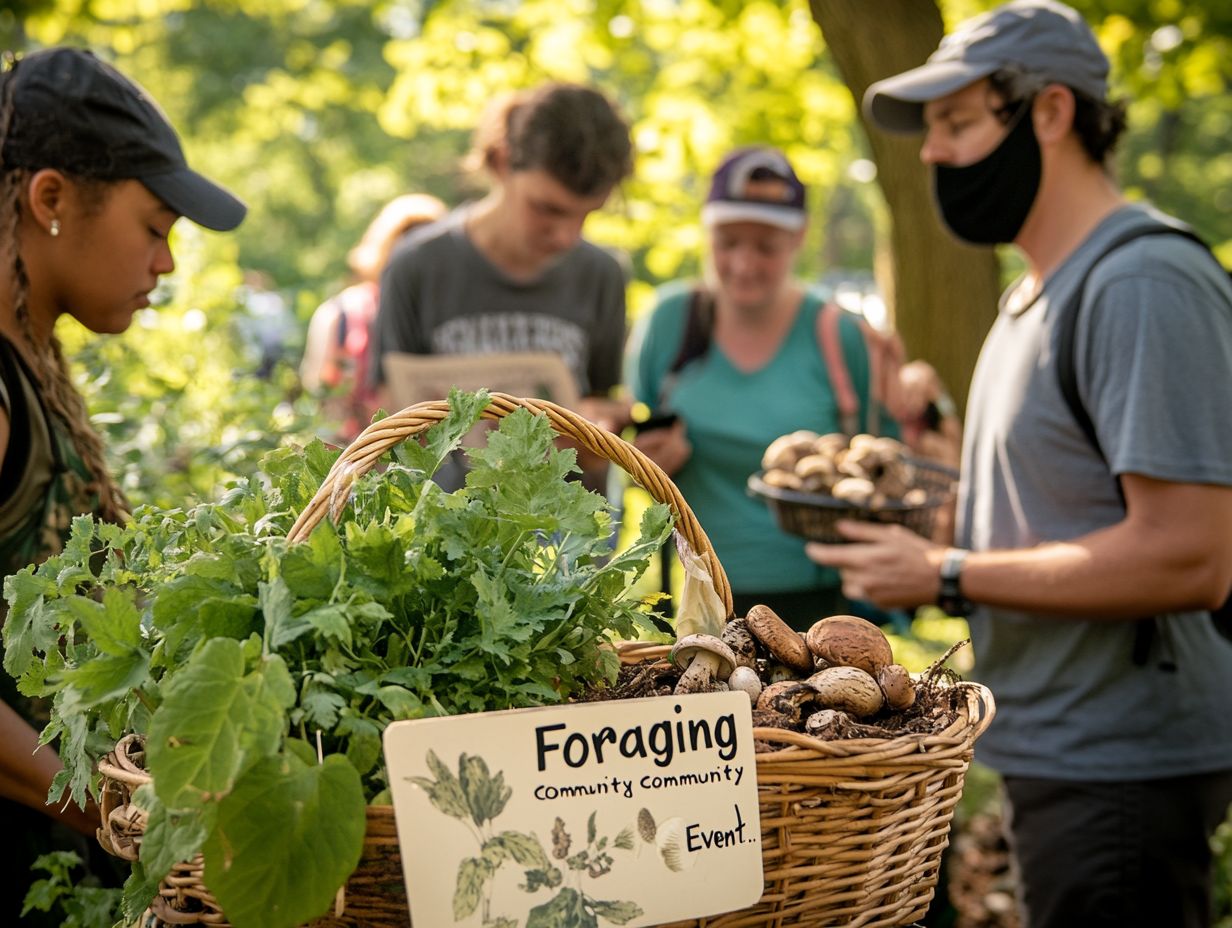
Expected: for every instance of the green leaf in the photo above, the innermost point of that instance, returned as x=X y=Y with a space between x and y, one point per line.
x=590 y=828
x=139 y=891
x=170 y=837
x=566 y=910
x=620 y=913
x=197 y=743
x=267 y=876
x=104 y=677
x=275 y=601
x=473 y=872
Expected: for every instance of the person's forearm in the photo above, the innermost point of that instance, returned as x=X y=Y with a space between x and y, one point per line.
x=1105 y=574
x=26 y=772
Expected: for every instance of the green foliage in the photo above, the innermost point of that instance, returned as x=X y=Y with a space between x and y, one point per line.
x=78 y=905
x=240 y=655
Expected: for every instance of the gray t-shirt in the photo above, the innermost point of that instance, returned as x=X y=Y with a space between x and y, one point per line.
x=440 y=295
x=1153 y=354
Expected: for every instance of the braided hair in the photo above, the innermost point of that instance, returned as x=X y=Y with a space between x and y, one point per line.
x=46 y=360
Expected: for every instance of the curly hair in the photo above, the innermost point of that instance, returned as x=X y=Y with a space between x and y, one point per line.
x=573 y=133
x=47 y=361
x=1098 y=124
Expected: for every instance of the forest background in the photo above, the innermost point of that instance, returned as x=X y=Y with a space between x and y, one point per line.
x=317 y=112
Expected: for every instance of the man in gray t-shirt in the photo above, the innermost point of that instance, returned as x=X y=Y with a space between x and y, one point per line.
x=512 y=273
x=1116 y=770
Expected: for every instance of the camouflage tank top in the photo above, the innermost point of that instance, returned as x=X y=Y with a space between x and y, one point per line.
x=43 y=483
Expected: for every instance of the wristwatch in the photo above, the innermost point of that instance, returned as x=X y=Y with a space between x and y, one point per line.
x=950 y=597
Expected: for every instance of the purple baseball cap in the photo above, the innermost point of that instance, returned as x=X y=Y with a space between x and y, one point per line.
x=1039 y=37
x=735 y=196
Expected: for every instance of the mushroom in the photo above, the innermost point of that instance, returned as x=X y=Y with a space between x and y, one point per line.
x=895 y=683
x=777 y=672
x=736 y=635
x=782 y=642
x=827 y=723
x=847 y=688
x=830 y=444
x=770 y=718
x=850 y=641
x=916 y=496
x=705 y=660
x=746 y=680
x=789 y=699
x=783 y=479
x=895 y=478
x=857 y=490
x=784 y=451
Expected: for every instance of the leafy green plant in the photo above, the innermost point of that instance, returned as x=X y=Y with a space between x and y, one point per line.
x=262 y=672
x=78 y=905
x=475 y=797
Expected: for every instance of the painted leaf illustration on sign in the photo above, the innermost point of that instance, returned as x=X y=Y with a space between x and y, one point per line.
x=444 y=792
x=485 y=795
x=620 y=913
x=566 y=910
x=476 y=797
x=473 y=872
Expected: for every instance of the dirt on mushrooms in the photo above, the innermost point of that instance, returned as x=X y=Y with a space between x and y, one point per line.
x=836 y=700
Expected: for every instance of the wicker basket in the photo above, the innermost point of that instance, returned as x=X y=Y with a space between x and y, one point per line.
x=852 y=831
x=813 y=515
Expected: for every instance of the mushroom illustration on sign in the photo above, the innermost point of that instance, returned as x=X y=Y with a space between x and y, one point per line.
x=669 y=840
x=705 y=660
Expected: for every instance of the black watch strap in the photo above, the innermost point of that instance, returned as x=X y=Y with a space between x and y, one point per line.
x=950 y=598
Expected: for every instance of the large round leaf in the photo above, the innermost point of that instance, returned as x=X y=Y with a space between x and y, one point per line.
x=298 y=831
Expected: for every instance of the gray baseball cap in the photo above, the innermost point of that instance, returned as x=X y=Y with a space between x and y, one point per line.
x=1038 y=37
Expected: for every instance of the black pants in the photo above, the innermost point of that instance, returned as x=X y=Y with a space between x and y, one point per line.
x=1115 y=855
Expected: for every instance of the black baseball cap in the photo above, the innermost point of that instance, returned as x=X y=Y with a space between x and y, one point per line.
x=1038 y=37
x=68 y=107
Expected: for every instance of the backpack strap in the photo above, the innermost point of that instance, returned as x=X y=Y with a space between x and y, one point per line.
x=694 y=344
x=829 y=339
x=1067 y=328
x=1067 y=377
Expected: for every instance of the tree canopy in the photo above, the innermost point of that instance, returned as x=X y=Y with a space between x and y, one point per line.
x=317 y=113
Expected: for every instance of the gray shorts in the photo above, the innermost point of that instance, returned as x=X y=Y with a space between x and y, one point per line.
x=1115 y=855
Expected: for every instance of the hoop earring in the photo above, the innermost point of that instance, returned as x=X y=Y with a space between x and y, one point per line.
x=54 y=229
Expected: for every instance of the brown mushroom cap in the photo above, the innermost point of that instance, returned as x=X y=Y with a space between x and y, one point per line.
x=850 y=641
x=847 y=688
x=789 y=698
x=736 y=635
x=690 y=646
x=858 y=490
x=895 y=682
x=780 y=639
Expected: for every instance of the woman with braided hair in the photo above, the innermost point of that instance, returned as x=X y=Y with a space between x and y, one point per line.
x=93 y=178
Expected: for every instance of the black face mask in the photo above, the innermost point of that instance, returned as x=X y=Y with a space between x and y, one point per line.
x=987 y=202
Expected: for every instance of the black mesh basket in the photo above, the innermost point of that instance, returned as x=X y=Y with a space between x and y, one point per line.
x=813 y=515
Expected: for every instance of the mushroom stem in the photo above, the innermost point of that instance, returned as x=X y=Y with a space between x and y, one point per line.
x=699 y=677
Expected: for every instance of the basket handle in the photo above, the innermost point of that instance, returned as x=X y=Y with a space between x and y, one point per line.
x=363 y=453
x=981 y=707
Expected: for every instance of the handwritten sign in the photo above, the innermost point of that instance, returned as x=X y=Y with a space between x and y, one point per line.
x=632 y=812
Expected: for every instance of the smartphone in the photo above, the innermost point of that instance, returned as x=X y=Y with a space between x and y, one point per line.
x=658 y=420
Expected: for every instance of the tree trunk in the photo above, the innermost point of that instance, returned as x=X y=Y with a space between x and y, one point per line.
x=940 y=293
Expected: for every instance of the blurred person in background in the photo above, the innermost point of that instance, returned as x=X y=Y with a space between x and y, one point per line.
x=335 y=362
x=735 y=362
x=512 y=272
